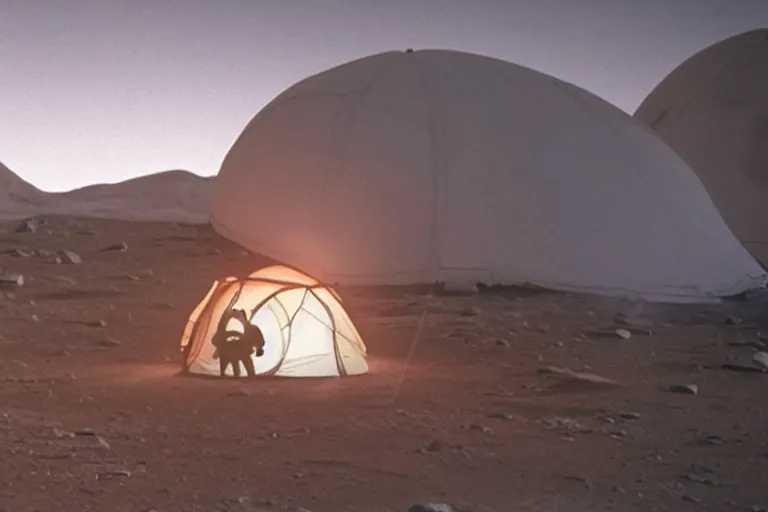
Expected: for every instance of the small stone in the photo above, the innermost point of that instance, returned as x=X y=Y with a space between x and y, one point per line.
x=502 y=416
x=27 y=226
x=97 y=323
x=16 y=280
x=473 y=311
x=623 y=334
x=731 y=320
x=431 y=507
x=122 y=247
x=19 y=253
x=629 y=415
x=502 y=343
x=690 y=389
x=110 y=342
x=712 y=440
x=69 y=257
x=761 y=359
x=434 y=446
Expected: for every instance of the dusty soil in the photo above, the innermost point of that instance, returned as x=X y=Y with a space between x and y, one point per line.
x=95 y=416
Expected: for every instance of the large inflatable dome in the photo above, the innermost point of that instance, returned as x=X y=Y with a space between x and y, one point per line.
x=440 y=166
x=713 y=111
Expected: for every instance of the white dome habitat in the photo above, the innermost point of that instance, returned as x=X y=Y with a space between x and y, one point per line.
x=713 y=111
x=440 y=166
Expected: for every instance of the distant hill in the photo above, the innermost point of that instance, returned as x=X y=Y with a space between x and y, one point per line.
x=172 y=196
x=17 y=197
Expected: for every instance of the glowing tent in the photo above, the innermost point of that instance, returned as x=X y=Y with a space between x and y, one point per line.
x=713 y=111
x=307 y=333
x=439 y=166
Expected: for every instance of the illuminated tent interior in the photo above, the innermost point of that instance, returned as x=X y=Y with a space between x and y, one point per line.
x=306 y=330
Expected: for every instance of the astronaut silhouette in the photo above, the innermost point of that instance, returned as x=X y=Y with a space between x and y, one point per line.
x=234 y=347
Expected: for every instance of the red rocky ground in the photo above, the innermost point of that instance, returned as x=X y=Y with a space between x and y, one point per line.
x=94 y=416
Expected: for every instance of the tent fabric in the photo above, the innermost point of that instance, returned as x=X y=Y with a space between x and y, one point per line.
x=441 y=166
x=713 y=111
x=306 y=329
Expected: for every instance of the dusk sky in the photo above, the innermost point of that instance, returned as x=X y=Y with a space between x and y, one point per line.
x=105 y=90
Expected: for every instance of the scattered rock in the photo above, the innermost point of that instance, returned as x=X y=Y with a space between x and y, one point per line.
x=731 y=320
x=480 y=428
x=68 y=257
x=431 y=507
x=743 y=368
x=110 y=342
x=581 y=376
x=623 y=334
x=19 y=253
x=567 y=424
x=699 y=479
x=690 y=389
x=122 y=247
x=434 y=446
x=116 y=473
x=502 y=416
x=472 y=311
x=27 y=226
x=11 y=280
x=761 y=359
x=629 y=415
x=713 y=440
x=97 y=323
x=502 y=343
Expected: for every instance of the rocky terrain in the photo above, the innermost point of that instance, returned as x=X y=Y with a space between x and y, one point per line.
x=509 y=400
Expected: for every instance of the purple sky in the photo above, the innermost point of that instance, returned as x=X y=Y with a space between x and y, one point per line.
x=104 y=90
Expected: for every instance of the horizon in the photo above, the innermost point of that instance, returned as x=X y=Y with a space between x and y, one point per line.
x=104 y=92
